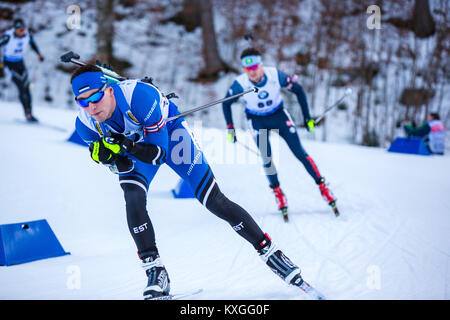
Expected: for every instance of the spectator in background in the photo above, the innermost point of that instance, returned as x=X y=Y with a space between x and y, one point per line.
x=431 y=131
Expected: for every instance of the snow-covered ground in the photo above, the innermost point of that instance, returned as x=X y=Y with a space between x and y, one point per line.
x=391 y=241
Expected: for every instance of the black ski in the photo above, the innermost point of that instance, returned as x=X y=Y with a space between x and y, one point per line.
x=284 y=212
x=335 y=209
x=178 y=296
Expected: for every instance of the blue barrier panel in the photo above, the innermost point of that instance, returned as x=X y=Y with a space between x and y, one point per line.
x=183 y=190
x=409 y=145
x=75 y=138
x=28 y=241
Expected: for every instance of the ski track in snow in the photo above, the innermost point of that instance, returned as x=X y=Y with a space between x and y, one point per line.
x=394 y=220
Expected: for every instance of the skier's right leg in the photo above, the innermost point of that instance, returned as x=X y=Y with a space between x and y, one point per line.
x=135 y=186
x=289 y=133
x=261 y=136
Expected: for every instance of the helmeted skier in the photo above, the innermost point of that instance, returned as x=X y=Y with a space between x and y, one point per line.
x=15 y=41
x=265 y=112
x=125 y=125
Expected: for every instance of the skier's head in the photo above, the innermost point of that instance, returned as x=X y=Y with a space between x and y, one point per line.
x=252 y=64
x=19 y=27
x=433 y=116
x=90 y=87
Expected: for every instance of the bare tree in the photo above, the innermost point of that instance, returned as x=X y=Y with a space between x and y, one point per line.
x=105 y=30
x=200 y=13
x=421 y=22
x=213 y=62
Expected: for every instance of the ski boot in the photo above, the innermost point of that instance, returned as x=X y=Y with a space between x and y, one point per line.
x=327 y=195
x=281 y=200
x=30 y=118
x=283 y=267
x=158 y=284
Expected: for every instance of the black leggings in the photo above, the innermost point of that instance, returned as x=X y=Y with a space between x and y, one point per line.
x=141 y=227
x=20 y=78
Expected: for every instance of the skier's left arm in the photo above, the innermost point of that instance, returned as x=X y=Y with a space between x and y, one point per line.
x=290 y=83
x=235 y=88
x=4 y=39
x=35 y=48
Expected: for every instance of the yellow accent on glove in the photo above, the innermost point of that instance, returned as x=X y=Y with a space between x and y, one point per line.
x=115 y=148
x=310 y=125
x=231 y=136
x=99 y=153
x=95 y=149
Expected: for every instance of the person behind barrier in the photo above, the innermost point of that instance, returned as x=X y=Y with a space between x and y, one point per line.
x=431 y=131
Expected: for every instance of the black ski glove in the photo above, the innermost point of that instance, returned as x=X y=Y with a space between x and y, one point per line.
x=109 y=155
x=148 y=153
x=103 y=152
x=123 y=143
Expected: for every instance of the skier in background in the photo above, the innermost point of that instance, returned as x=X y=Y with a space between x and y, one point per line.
x=15 y=41
x=431 y=131
x=125 y=125
x=264 y=111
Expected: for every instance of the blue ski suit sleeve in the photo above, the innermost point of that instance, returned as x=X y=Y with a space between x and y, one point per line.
x=293 y=86
x=226 y=106
x=34 y=45
x=145 y=106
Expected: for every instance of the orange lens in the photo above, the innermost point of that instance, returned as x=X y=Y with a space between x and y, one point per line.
x=254 y=67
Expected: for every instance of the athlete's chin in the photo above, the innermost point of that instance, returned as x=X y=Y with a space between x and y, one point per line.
x=99 y=116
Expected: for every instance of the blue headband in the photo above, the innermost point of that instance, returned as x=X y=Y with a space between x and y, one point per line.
x=249 y=61
x=88 y=81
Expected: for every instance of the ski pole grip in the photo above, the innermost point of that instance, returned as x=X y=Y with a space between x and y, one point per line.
x=67 y=57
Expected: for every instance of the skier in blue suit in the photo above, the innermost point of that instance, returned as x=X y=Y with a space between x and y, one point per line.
x=125 y=125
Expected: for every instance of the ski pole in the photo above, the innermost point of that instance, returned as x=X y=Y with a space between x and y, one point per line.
x=254 y=89
x=248 y=148
x=348 y=91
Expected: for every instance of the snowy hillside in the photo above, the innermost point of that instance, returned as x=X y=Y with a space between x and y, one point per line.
x=391 y=241
x=173 y=56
